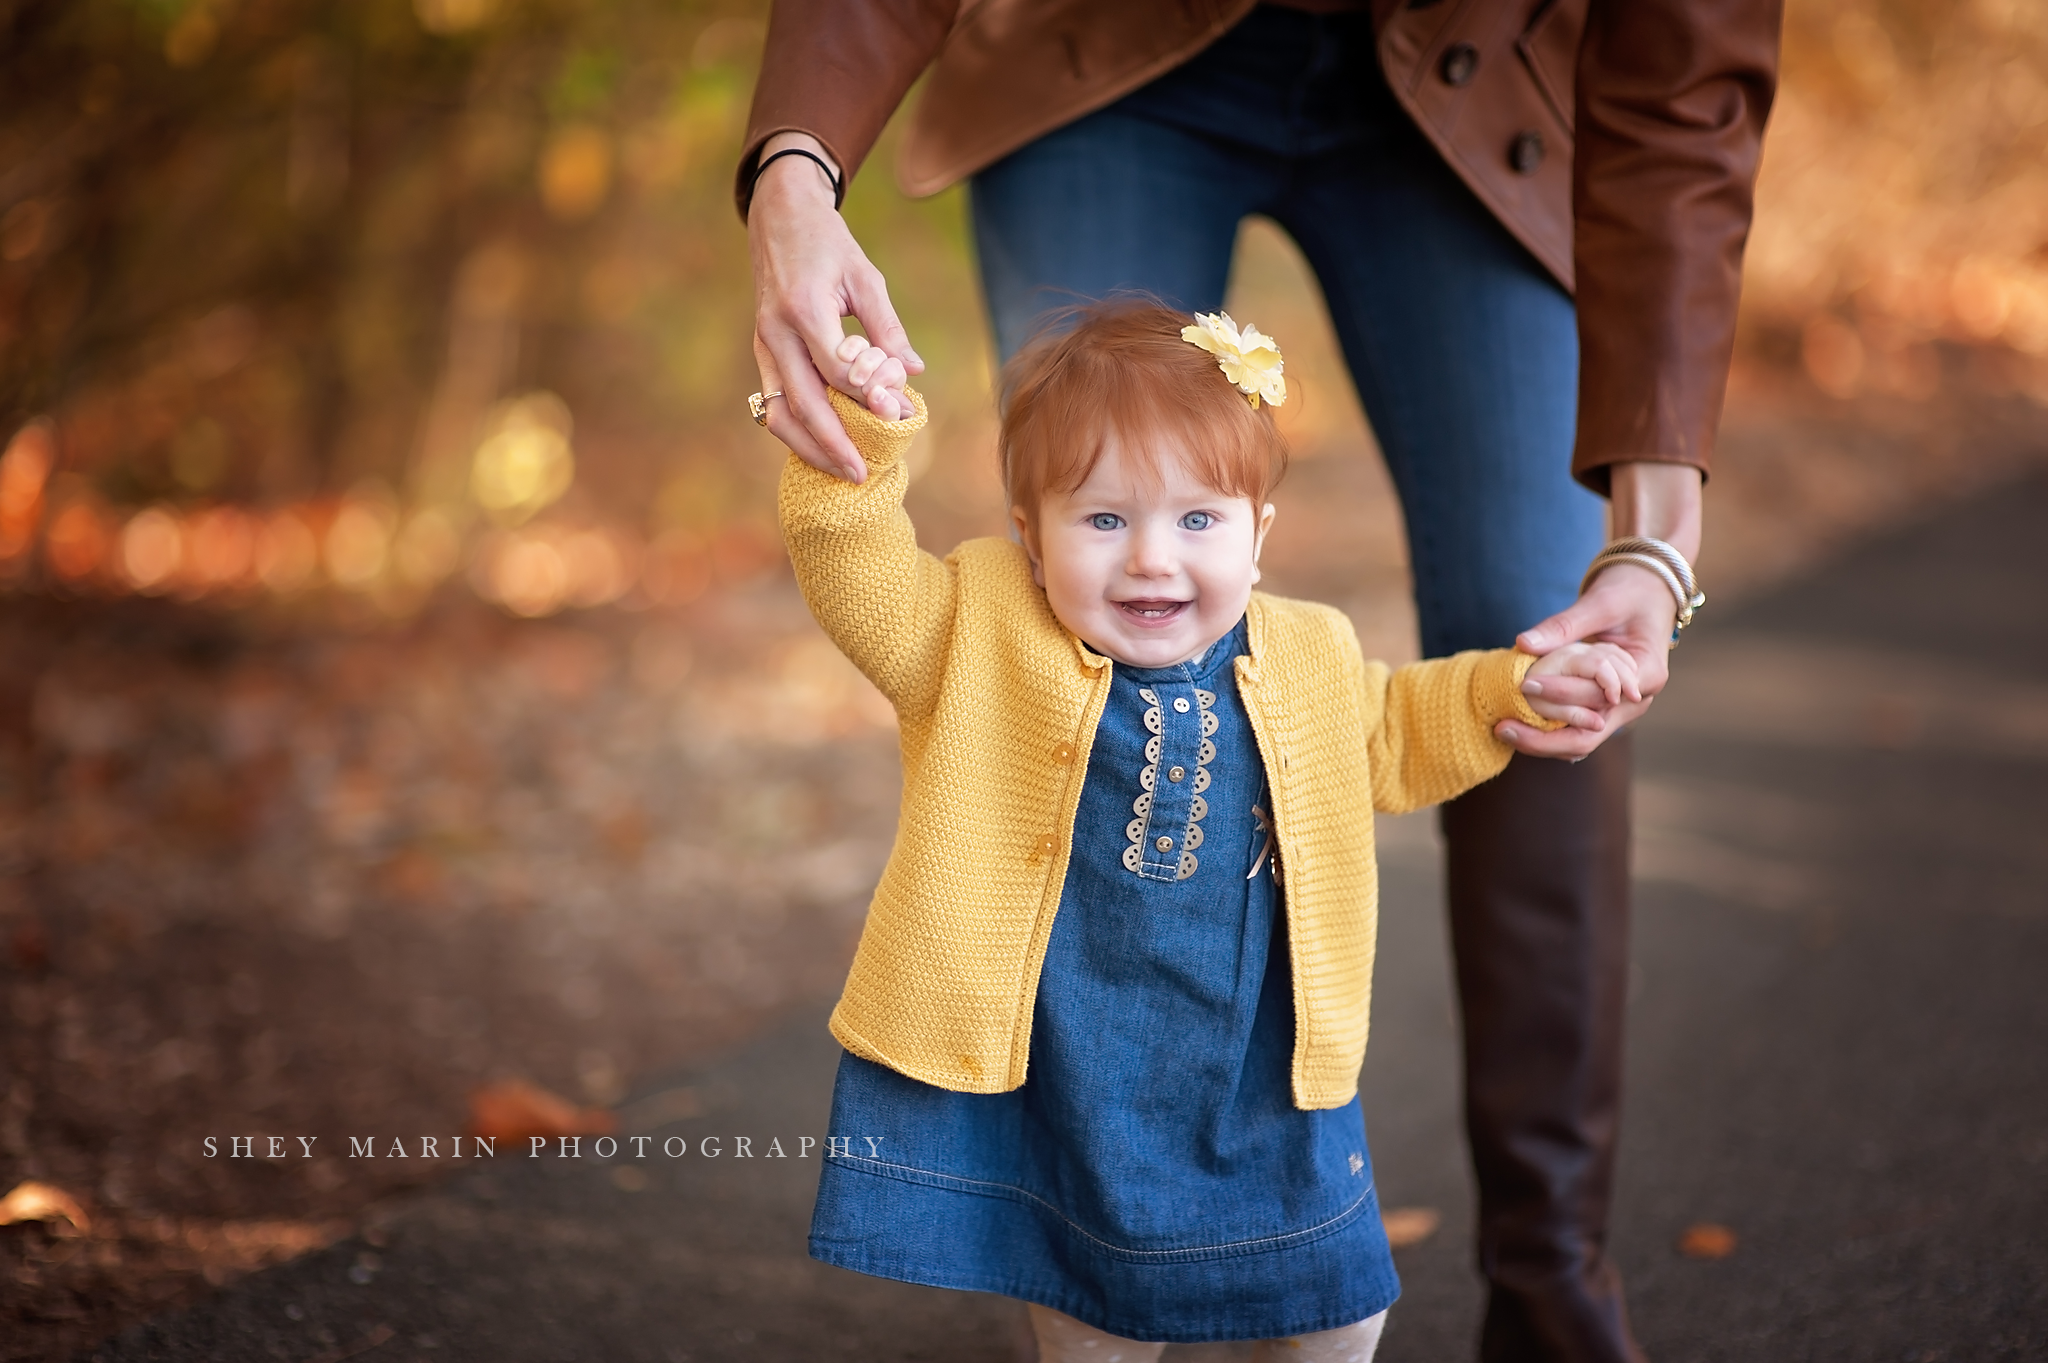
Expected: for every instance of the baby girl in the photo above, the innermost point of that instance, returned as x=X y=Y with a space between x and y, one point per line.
x=1104 y=1027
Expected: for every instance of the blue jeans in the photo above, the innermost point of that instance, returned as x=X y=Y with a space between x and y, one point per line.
x=1464 y=349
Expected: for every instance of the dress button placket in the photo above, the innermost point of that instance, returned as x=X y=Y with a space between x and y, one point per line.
x=1167 y=830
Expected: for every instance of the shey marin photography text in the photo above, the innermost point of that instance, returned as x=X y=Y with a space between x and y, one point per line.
x=539 y=1147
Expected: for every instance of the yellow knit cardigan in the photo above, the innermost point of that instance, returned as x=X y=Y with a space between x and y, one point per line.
x=997 y=705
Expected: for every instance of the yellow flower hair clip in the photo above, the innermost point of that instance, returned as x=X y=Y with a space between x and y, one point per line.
x=1248 y=359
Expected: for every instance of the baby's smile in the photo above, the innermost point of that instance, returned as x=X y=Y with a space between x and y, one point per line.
x=1152 y=610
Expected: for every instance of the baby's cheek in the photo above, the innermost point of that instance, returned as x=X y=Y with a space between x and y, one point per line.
x=1074 y=593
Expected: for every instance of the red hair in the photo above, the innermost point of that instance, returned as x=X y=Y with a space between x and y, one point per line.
x=1120 y=369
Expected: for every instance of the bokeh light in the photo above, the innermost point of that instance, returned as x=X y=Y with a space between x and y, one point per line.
x=152 y=550
x=525 y=463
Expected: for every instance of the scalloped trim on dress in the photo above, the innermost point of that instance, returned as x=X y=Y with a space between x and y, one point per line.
x=1191 y=836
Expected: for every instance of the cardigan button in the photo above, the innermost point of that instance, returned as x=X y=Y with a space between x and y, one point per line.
x=1460 y=61
x=1064 y=752
x=1047 y=845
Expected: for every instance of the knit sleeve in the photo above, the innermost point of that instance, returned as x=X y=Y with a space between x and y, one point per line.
x=1429 y=725
x=886 y=603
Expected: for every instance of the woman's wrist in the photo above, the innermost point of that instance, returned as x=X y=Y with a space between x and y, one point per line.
x=1661 y=501
x=798 y=177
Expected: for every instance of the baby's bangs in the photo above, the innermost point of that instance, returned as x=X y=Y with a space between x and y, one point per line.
x=1222 y=450
x=1124 y=373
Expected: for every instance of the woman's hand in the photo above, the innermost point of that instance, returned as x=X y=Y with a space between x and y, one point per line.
x=1626 y=606
x=808 y=274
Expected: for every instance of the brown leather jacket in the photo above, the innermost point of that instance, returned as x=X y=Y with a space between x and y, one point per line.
x=1617 y=139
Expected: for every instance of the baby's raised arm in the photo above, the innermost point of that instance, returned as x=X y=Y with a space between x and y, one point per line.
x=887 y=604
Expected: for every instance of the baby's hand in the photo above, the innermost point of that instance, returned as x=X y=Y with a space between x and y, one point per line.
x=1579 y=683
x=879 y=377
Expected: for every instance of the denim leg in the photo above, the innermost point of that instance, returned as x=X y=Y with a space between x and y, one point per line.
x=1465 y=353
x=1112 y=202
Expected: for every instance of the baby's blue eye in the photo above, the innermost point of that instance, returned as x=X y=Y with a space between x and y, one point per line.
x=1105 y=520
x=1196 y=520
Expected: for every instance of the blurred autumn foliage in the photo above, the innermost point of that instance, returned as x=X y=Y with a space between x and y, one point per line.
x=1903 y=204
x=374 y=293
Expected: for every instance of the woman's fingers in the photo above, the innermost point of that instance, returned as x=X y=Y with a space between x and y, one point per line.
x=1567 y=743
x=803 y=414
x=808 y=426
x=1571 y=742
x=869 y=294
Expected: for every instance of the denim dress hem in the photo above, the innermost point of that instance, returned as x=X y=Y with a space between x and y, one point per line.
x=1202 y=1291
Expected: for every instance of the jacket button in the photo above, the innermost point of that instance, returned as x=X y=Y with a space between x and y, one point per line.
x=1163 y=844
x=1064 y=752
x=1460 y=61
x=1047 y=845
x=1525 y=153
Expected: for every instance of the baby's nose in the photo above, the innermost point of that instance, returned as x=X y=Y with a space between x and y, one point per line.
x=1153 y=556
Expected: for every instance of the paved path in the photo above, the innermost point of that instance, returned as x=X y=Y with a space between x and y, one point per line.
x=1839 y=1050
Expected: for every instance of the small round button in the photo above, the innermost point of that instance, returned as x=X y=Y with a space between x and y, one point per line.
x=1460 y=60
x=1047 y=845
x=1180 y=704
x=1164 y=844
x=1525 y=153
x=1064 y=752
x=1175 y=773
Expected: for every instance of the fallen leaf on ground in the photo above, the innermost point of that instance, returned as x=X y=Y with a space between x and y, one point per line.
x=33 y=1201
x=515 y=1110
x=1707 y=1241
x=1410 y=1225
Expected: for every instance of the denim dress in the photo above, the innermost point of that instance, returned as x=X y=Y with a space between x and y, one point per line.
x=1152 y=1177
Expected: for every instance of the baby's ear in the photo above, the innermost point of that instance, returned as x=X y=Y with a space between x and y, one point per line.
x=1020 y=530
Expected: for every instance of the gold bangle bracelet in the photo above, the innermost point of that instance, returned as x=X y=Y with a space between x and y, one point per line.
x=1686 y=604
x=1645 y=561
x=1672 y=559
x=1655 y=556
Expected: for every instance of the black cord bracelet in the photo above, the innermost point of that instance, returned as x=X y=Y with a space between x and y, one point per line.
x=838 y=185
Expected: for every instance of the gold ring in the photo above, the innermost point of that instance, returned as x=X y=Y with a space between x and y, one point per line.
x=757 y=403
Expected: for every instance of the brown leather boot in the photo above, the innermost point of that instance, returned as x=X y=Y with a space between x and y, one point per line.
x=1538 y=877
